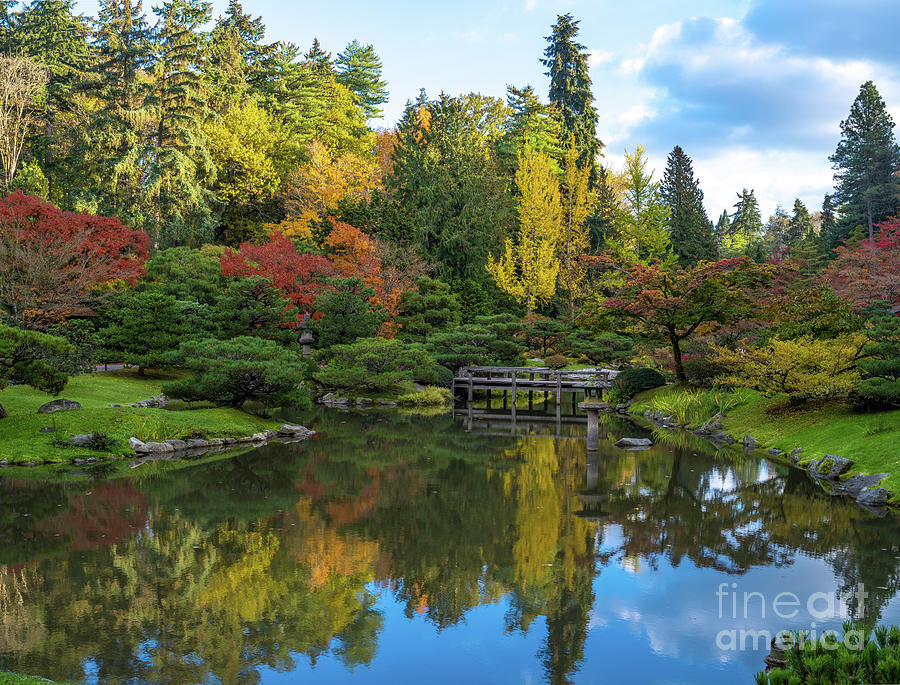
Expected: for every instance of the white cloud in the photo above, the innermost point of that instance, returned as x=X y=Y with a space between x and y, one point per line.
x=635 y=115
x=598 y=57
x=530 y=5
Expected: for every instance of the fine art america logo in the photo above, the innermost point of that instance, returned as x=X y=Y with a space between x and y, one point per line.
x=818 y=607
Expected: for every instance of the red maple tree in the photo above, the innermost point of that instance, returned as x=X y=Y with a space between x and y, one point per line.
x=53 y=263
x=869 y=271
x=298 y=276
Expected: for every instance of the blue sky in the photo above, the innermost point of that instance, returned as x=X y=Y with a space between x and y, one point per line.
x=753 y=90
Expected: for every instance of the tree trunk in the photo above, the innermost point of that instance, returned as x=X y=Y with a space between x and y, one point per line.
x=2 y=412
x=676 y=355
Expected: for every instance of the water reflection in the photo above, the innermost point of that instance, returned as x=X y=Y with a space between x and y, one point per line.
x=296 y=558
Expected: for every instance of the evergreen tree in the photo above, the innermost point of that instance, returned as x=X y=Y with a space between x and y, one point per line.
x=50 y=32
x=744 y=236
x=570 y=91
x=777 y=230
x=690 y=230
x=359 y=69
x=603 y=223
x=319 y=60
x=865 y=161
x=801 y=226
x=181 y=160
x=723 y=226
x=532 y=121
x=237 y=59
x=119 y=130
x=828 y=225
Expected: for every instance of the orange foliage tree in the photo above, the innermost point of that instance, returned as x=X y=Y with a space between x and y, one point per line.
x=319 y=185
x=869 y=271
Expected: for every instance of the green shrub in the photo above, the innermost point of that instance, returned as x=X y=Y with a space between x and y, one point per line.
x=630 y=382
x=556 y=361
x=377 y=365
x=427 y=397
x=232 y=372
x=702 y=372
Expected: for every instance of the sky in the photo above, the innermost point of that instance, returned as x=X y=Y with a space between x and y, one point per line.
x=753 y=90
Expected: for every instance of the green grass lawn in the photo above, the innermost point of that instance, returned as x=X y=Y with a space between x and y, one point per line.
x=16 y=679
x=21 y=441
x=871 y=440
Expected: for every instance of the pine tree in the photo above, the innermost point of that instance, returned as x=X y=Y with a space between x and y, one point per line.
x=604 y=222
x=528 y=269
x=828 y=226
x=723 y=225
x=777 y=230
x=744 y=236
x=529 y=119
x=359 y=69
x=319 y=60
x=181 y=160
x=120 y=130
x=570 y=91
x=574 y=239
x=691 y=232
x=801 y=226
x=238 y=61
x=865 y=161
x=50 y=32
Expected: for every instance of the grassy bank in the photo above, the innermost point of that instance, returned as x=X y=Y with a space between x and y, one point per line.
x=869 y=439
x=21 y=440
x=16 y=679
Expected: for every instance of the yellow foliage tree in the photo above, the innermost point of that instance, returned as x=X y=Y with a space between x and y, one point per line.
x=578 y=204
x=804 y=369
x=529 y=267
x=316 y=187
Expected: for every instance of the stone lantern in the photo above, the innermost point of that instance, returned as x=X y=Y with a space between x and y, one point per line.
x=306 y=337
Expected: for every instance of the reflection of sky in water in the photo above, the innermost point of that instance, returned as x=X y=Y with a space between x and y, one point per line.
x=650 y=621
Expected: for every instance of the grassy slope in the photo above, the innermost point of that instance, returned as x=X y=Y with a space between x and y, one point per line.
x=871 y=440
x=20 y=440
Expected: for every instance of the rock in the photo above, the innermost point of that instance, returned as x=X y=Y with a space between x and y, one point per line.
x=622 y=406
x=710 y=425
x=876 y=497
x=364 y=402
x=61 y=404
x=230 y=441
x=79 y=440
x=794 y=456
x=155 y=448
x=295 y=431
x=831 y=466
x=197 y=444
x=216 y=442
x=749 y=443
x=115 y=405
x=3 y=414
x=177 y=445
x=381 y=402
x=245 y=439
x=271 y=434
x=775 y=452
x=134 y=443
x=259 y=437
x=634 y=443
x=46 y=429
x=855 y=485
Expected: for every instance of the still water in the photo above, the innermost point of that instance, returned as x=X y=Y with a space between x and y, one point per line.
x=406 y=549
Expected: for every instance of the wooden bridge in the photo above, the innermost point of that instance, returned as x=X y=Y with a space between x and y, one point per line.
x=512 y=380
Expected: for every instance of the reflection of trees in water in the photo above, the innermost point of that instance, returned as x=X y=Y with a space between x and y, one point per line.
x=213 y=571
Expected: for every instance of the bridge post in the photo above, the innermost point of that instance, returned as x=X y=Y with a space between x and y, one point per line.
x=593 y=409
x=514 y=376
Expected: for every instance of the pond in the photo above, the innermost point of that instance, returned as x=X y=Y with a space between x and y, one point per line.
x=402 y=548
